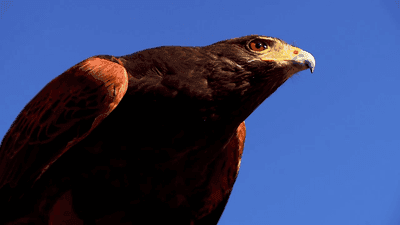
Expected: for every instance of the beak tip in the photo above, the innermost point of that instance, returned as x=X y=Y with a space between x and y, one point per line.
x=310 y=63
x=311 y=66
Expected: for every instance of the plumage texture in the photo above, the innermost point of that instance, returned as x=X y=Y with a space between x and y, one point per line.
x=155 y=136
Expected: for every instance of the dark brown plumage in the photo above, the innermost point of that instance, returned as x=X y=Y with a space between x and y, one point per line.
x=155 y=136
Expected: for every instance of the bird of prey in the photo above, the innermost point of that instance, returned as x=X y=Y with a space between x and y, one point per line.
x=155 y=137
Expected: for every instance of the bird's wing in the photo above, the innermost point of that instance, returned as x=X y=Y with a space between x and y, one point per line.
x=235 y=147
x=63 y=113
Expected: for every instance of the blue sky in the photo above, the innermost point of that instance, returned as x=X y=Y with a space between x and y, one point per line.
x=324 y=149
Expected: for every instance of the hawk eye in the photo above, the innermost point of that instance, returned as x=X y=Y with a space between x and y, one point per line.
x=257 y=45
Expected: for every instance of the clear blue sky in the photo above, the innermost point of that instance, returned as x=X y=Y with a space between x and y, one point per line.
x=322 y=150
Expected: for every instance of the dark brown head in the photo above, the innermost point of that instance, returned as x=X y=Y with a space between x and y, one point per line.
x=251 y=68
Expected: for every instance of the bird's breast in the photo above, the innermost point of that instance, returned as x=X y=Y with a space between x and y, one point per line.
x=152 y=159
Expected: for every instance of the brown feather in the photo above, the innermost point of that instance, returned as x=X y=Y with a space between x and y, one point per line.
x=64 y=112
